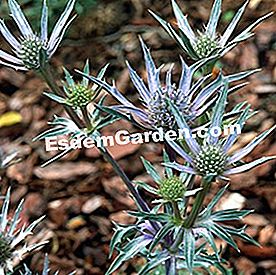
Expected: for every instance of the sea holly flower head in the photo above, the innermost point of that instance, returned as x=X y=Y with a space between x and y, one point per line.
x=31 y=49
x=205 y=45
x=78 y=94
x=207 y=42
x=212 y=158
x=172 y=188
x=191 y=99
x=13 y=240
x=169 y=187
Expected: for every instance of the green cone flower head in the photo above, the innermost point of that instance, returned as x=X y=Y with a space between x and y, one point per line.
x=172 y=188
x=211 y=160
x=31 y=50
x=80 y=95
x=205 y=45
x=210 y=42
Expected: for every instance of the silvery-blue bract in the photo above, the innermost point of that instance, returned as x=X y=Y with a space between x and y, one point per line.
x=32 y=50
x=191 y=98
x=211 y=157
x=208 y=41
x=13 y=239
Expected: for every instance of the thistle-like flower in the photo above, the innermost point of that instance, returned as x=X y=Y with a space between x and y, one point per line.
x=207 y=42
x=11 y=238
x=33 y=50
x=170 y=187
x=78 y=94
x=211 y=158
x=191 y=99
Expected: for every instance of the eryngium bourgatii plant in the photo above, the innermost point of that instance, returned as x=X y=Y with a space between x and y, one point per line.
x=208 y=41
x=13 y=239
x=169 y=236
x=184 y=239
x=33 y=50
x=211 y=158
x=190 y=97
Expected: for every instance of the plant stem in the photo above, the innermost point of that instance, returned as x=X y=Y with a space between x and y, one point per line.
x=125 y=179
x=171 y=266
x=86 y=118
x=176 y=210
x=48 y=76
x=189 y=222
x=177 y=241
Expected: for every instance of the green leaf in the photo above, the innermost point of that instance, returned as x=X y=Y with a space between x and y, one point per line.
x=221 y=233
x=68 y=78
x=182 y=21
x=56 y=98
x=129 y=251
x=215 y=200
x=247 y=32
x=120 y=232
x=218 y=112
x=57 y=157
x=168 y=28
x=210 y=240
x=189 y=249
x=118 y=114
x=153 y=263
x=229 y=215
x=231 y=27
x=188 y=45
x=214 y=18
x=240 y=232
x=102 y=72
x=53 y=132
x=146 y=187
x=151 y=170
x=160 y=217
x=161 y=234
x=239 y=76
x=168 y=170
x=86 y=70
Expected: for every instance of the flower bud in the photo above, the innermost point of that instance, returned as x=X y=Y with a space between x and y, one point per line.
x=172 y=189
x=205 y=46
x=211 y=160
x=80 y=95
